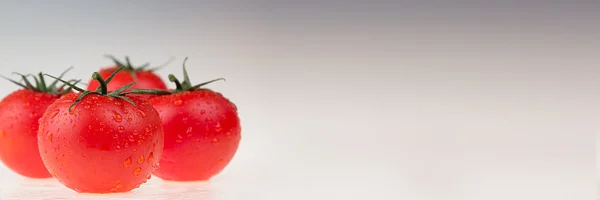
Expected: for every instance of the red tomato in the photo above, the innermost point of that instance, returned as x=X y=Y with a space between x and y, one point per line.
x=145 y=80
x=19 y=115
x=202 y=134
x=202 y=131
x=103 y=144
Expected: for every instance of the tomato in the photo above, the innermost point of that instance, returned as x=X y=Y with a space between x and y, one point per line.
x=143 y=78
x=202 y=131
x=104 y=143
x=19 y=115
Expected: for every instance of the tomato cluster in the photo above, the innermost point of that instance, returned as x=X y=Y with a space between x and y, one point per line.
x=114 y=135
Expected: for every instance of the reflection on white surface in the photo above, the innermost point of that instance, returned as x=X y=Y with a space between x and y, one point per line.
x=51 y=189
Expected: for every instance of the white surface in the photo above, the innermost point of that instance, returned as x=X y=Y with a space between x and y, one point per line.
x=427 y=101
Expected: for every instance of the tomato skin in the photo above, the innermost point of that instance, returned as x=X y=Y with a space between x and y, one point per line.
x=19 y=115
x=145 y=80
x=103 y=145
x=202 y=134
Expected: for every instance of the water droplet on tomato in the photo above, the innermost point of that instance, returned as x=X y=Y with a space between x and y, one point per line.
x=141 y=160
x=151 y=157
x=113 y=189
x=208 y=119
x=119 y=186
x=118 y=148
x=156 y=165
x=218 y=127
x=90 y=126
x=86 y=107
x=214 y=141
x=202 y=111
x=179 y=141
x=197 y=140
x=179 y=136
x=49 y=136
x=228 y=134
x=147 y=130
x=27 y=105
x=121 y=129
x=141 y=113
x=134 y=150
x=116 y=136
x=127 y=162
x=178 y=102
x=148 y=177
x=53 y=114
x=135 y=132
x=117 y=117
x=137 y=171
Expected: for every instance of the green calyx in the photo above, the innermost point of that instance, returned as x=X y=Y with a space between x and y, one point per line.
x=101 y=90
x=41 y=86
x=128 y=67
x=186 y=85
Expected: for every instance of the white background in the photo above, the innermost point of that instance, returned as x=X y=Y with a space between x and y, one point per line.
x=341 y=100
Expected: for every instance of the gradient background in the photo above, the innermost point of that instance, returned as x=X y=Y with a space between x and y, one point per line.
x=352 y=100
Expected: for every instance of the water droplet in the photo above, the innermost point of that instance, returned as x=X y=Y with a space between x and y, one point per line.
x=37 y=98
x=151 y=157
x=179 y=136
x=134 y=150
x=202 y=112
x=148 y=177
x=208 y=119
x=119 y=186
x=113 y=189
x=121 y=129
x=178 y=102
x=118 y=148
x=228 y=134
x=197 y=140
x=147 y=130
x=117 y=103
x=141 y=113
x=116 y=136
x=135 y=132
x=214 y=141
x=218 y=127
x=101 y=129
x=27 y=105
x=179 y=141
x=156 y=165
x=33 y=115
x=117 y=117
x=53 y=114
x=86 y=107
x=127 y=162
x=141 y=160
x=131 y=139
x=90 y=126
x=49 y=136
x=137 y=171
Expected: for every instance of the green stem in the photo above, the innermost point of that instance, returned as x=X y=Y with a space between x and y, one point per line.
x=42 y=82
x=173 y=79
x=103 y=88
